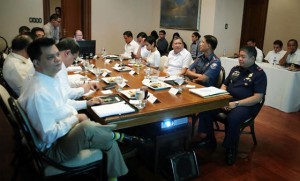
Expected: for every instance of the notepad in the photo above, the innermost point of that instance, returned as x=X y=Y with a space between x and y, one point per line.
x=208 y=91
x=113 y=109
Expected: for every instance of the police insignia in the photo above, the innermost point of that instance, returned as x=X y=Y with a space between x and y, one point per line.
x=213 y=66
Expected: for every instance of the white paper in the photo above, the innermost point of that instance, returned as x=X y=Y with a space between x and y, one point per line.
x=190 y=86
x=74 y=68
x=112 y=109
x=89 y=93
x=106 y=92
x=132 y=72
x=208 y=91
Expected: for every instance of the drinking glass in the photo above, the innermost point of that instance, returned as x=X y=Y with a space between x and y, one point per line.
x=140 y=95
x=97 y=72
x=121 y=60
x=86 y=65
x=179 y=80
x=148 y=72
x=119 y=80
x=138 y=61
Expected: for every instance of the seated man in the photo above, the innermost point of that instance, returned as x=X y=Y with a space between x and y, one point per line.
x=292 y=55
x=247 y=85
x=179 y=59
x=17 y=65
x=275 y=55
x=69 y=50
x=260 y=55
x=37 y=32
x=131 y=47
x=206 y=68
x=78 y=36
x=194 y=49
x=62 y=131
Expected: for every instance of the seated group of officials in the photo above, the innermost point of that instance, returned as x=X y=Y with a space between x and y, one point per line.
x=40 y=79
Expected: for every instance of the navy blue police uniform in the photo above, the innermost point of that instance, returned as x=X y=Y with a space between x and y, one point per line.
x=209 y=66
x=241 y=83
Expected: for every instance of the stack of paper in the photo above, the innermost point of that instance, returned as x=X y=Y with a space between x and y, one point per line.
x=208 y=91
x=74 y=68
x=113 y=109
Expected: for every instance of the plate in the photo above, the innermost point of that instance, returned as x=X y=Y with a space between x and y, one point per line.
x=102 y=71
x=122 y=69
x=157 y=85
x=110 y=80
x=130 y=94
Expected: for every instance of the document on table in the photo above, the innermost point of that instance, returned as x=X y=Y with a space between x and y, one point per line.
x=208 y=91
x=113 y=109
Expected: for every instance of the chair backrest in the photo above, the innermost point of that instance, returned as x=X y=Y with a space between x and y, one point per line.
x=6 y=86
x=221 y=78
x=163 y=59
x=3 y=44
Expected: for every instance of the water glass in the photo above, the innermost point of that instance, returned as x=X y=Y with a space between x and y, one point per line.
x=121 y=60
x=179 y=80
x=148 y=72
x=97 y=72
x=119 y=80
x=140 y=95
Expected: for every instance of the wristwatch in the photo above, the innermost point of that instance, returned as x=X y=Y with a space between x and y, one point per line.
x=237 y=103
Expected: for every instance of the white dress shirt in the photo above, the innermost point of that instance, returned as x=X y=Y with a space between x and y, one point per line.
x=73 y=93
x=133 y=46
x=144 y=52
x=294 y=58
x=50 y=111
x=176 y=62
x=15 y=69
x=51 y=31
x=274 y=57
x=259 y=56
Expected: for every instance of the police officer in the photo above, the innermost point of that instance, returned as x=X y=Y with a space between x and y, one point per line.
x=247 y=85
x=206 y=68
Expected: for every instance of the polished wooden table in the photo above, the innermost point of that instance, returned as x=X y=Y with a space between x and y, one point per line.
x=169 y=106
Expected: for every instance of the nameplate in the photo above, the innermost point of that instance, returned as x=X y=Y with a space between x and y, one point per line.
x=151 y=99
x=107 y=61
x=132 y=72
x=173 y=91
x=106 y=92
x=116 y=65
x=105 y=74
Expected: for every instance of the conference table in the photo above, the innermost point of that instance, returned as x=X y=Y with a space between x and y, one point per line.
x=283 y=86
x=167 y=106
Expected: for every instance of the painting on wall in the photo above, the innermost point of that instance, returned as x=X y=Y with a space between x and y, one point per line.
x=180 y=14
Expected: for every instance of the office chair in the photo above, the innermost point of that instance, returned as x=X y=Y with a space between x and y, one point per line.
x=221 y=118
x=20 y=150
x=3 y=44
x=48 y=169
x=6 y=86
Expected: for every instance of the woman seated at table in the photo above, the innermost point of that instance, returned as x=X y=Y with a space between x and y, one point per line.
x=153 y=58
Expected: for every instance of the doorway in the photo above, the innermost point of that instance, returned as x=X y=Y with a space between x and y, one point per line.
x=76 y=14
x=254 y=21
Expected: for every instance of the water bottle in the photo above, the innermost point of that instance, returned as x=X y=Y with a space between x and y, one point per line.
x=103 y=52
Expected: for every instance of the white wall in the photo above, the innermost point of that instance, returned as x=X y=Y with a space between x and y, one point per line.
x=144 y=15
x=282 y=22
x=16 y=13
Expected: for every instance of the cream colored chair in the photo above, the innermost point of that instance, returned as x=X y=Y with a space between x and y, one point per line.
x=163 y=59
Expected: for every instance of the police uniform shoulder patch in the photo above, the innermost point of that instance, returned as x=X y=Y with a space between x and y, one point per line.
x=213 y=66
x=258 y=68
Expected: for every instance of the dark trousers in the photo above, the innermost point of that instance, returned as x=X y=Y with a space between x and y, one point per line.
x=235 y=118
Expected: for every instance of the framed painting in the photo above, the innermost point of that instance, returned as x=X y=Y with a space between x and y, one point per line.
x=180 y=14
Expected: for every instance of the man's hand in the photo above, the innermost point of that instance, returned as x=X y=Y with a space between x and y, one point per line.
x=94 y=100
x=86 y=88
x=231 y=106
x=82 y=117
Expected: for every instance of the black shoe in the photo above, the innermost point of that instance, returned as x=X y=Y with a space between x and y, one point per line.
x=206 y=143
x=230 y=156
x=134 y=140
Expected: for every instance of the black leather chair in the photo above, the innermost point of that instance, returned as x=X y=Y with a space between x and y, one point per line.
x=6 y=86
x=86 y=161
x=221 y=78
